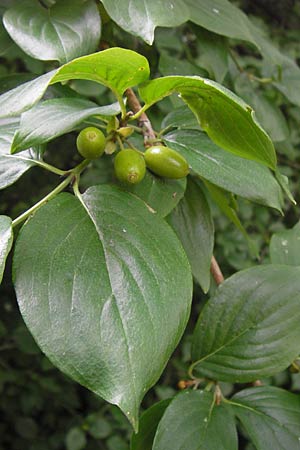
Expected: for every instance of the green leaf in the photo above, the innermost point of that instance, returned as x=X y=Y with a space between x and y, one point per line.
x=227 y=119
x=70 y=28
x=106 y=293
x=220 y=17
x=116 y=68
x=11 y=167
x=224 y=18
x=242 y=177
x=285 y=247
x=52 y=118
x=141 y=17
x=6 y=240
x=192 y=221
x=23 y=97
x=161 y=194
x=193 y=421
x=250 y=328
x=75 y=439
x=149 y=421
x=270 y=416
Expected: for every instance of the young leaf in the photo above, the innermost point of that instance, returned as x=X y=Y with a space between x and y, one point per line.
x=270 y=416
x=149 y=421
x=192 y=221
x=141 y=17
x=193 y=421
x=227 y=119
x=285 y=247
x=116 y=68
x=70 y=28
x=11 y=167
x=6 y=240
x=106 y=293
x=55 y=117
x=161 y=194
x=245 y=178
x=249 y=328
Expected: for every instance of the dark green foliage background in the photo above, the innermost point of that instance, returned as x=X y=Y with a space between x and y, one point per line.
x=40 y=409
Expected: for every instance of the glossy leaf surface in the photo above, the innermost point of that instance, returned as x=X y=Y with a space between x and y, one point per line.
x=161 y=194
x=106 y=293
x=11 y=166
x=270 y=416
x=221 y=17
x=242 y=177
x=53 y=118
x=116 y=68
x=6 y=240
x=70 y=28
x=226 y=118
x=193 y=223
x=23 y=97
x=141 y=17
x=193 y=421
x=249 y=328
x=225 y=18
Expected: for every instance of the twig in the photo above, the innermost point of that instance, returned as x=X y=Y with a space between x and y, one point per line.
x=143 y=120
x=216 y=271
x=149 y=135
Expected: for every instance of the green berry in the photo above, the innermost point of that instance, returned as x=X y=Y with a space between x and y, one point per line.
x=166 y=162
x=91 y=143
x=130 y=166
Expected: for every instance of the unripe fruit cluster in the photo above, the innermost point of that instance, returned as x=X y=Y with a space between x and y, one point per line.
x=130 y=165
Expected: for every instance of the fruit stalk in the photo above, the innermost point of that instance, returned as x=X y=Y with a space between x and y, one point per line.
x=149 y=136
